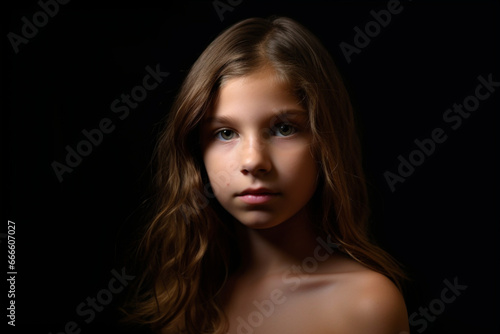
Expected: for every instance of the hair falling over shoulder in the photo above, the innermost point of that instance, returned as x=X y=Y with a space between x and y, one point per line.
x=189 y=247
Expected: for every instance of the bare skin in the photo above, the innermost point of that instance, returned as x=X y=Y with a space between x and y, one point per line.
x=281 y=293
x=256 y=150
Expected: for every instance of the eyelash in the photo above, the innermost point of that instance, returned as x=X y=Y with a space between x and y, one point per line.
x=293 y=127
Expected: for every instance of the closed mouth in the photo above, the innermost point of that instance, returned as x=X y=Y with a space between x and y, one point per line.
x=257 y=192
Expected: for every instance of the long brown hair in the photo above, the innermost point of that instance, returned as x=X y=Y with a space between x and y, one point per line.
x=188 y=247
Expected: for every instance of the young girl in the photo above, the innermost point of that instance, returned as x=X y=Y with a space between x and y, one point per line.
x=262 y=206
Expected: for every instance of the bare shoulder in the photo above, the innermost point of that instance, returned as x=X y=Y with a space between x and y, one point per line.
x=367 y=301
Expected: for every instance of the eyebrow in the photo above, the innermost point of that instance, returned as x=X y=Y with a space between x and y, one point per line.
x=292 y=112
x=280 y=114
x=217 y=119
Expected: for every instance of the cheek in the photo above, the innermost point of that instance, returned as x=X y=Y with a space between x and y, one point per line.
x=298 y=169
x=219 y=171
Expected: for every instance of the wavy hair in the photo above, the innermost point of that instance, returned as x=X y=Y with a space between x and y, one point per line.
x=188 y=249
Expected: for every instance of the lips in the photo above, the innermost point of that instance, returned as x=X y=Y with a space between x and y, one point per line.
x=257 y=195
x=257 y=191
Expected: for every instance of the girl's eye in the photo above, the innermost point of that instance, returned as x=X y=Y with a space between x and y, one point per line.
x=284 y=129
x=225 y=134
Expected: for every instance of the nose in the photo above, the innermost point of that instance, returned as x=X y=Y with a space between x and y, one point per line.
x=255 y=157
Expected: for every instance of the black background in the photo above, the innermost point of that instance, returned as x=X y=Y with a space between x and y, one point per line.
x=441 y=223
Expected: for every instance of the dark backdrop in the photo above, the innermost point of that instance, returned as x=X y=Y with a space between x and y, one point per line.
x=441 y=222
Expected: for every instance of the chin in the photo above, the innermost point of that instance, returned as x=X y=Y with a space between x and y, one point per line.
x=259 y=221
x=260 y=226
x=262 y=221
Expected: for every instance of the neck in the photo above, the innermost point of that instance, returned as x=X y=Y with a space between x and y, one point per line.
x=275 y=250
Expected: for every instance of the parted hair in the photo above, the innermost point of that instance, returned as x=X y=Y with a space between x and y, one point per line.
x=189 y=247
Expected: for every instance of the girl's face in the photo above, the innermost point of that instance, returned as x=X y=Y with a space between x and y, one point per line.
x=256 y=149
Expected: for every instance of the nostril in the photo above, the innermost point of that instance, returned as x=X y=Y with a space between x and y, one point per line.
x=254 y=157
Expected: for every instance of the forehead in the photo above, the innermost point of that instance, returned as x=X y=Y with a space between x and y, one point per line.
x=255 y=95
